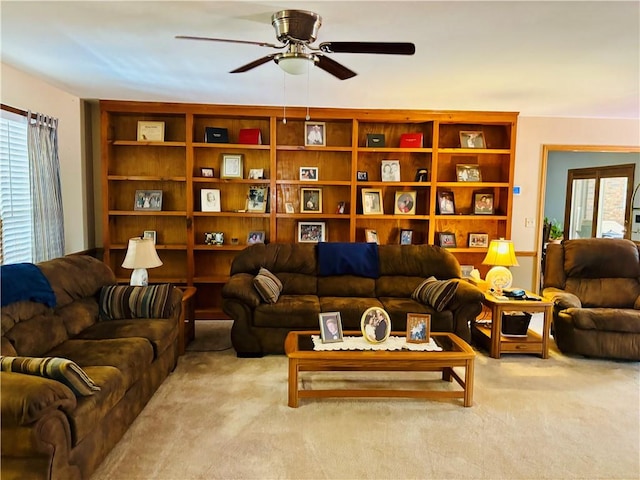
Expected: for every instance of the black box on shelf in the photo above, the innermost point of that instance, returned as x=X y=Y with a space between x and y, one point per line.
x=515 y=324
x=216 y=135
x=375 y=139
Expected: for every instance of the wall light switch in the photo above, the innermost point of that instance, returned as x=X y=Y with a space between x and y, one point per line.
x=529 y=223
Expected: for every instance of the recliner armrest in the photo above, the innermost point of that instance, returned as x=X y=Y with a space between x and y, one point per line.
x=561 y=299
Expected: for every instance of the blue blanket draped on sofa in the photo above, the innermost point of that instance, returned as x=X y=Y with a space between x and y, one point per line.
x=338 y=258
x=24 y=281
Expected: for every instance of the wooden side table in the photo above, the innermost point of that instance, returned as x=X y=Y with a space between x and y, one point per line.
x=186 y=329
x=499 y=343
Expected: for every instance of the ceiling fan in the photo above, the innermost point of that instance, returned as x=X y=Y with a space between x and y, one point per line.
x=297 y=30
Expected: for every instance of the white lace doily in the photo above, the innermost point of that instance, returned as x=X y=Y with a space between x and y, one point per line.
x=359 y=343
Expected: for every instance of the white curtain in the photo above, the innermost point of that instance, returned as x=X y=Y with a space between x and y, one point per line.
x=46 y=194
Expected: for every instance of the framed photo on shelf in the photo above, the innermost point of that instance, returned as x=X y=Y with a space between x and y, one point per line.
x=375 y=325
x=446 y=203
x=472 y=139
x=478 y=240
x=213 y=238
x=210 y=198
x=256 y=173
x=257 y=199
x=406 y=236
x=330 y=327
x=371 y=235
x=447 y=239
x=288 y=208
x=405 y=203
x=150 y=131
x=372 y=201
x=466 y=270
x=310 y=200
x=314 y=134
x=149 y=200
x=231 y=166
x=418 y=328
x=150 y=234
x=362 y=176
x=422 y=175
x=312 y=232
x=341 y=206
x=255 y=237
x=309 y=174
x=206 y=172
x=483 y=203
x=468 y=173
x=390 y=170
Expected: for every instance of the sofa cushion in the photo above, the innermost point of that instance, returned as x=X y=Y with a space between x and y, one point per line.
x=346 y=286
x=59 y=369
x=401 y=286
x=434 y=292
x=36 y=336
x=345 y=258
x=605 y=319
x=604 y=292
x=120 y=301
x=268 y=285
x=291 y=311
x=350 y=308
x=24 y=282
x=398 y=308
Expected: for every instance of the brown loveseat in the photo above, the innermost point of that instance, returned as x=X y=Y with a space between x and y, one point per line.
x=595 y=286
x=260 y=328
x=47 y=431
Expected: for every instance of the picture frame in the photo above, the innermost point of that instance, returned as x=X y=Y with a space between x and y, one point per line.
x=148 y=200
x=257 y=198
x=314 y=134
x=214 y=238
x=150 y=131
x=406 y=236
x=371 y=236
x=468 y=173
x=362 y=176
x=372 y=201
x=210 y=200
x=256 y=173
x=447 y=239
x=472 y=139
x=255 y=237
x=390 y=170
x=483 y=204
x=422 y=175
x=309 y=174
x=330 y=327
x=288 y=208
x=446 y=203
x=206 y=172
x=405 y=203
x=312 y=232
x=231 y=166
x=466 y=270
x=341 y=207
x=150 y=234
x=478 y=240
x=418 y=328
x=375 y=325
x=311 y=200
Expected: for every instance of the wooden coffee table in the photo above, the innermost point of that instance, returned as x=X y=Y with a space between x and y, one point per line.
x=455 y=353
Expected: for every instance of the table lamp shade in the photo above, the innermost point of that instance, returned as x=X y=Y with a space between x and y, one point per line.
x=501 y=254
x=141 y=254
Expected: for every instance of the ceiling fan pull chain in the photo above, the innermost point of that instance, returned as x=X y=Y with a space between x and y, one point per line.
x=284 y=98
x=308 y=117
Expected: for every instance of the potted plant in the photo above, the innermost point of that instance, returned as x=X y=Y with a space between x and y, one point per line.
x=553 y=230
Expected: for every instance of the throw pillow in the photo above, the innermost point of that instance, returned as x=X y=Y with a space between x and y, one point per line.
x=434 y=292
x=268 y=285
x=60 y=369
x=124 y=301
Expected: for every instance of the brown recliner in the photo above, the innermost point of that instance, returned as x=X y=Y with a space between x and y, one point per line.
x=595 y=286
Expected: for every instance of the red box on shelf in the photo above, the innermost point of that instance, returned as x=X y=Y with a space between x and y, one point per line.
x=250 y=136
x=411 y=140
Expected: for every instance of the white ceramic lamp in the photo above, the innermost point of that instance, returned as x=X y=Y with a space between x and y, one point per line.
x=141 y=254
x=500 y=255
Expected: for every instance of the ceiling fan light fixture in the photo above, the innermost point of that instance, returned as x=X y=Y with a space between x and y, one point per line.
x=295 y=63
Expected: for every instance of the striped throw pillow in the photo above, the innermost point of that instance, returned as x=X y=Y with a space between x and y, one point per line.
x=434 y=292
x=61 y=369
x=120 y=302
x=268 y=285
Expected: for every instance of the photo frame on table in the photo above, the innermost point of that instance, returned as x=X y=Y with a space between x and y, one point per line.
x=206 y=172
x=151 y=234
x=256 y=173
x=483 y=204
x=210 y=199
x=390 y=170
x=309 y=174
x=406 y=236
x=257 y=199
x=314 y=134
x=310 y=200
x=255 y=237
x=446 y=203
x=362 y=176
x=312 y=232
x=468 y=173
x=472 y=139
x=231 y=166
x=148 y=200
x=371 y=235
x=330 y=327
x=150 y=131
x=372 y=201
x=375 y=325
x=418 y=328
x=447 y=239
x=405 y=203
x=478 y=240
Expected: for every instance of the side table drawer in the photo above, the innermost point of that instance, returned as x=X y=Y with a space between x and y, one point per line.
x=514 y=346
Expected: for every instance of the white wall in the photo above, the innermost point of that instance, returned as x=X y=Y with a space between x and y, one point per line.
x=25 y=92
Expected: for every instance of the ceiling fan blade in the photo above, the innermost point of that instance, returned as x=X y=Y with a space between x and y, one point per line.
x=334 y=68
x=246 y=42
x=254 y=64
x=387 y=48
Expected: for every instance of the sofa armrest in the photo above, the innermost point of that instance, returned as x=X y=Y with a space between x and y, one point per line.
x=465 y=305
x=240 y=287
x=561 y=299
x=26 y=398
x=466 y=293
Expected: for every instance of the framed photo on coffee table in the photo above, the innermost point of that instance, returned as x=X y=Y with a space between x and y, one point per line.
x=418 y=328
x=375 y=324
x=330 y=327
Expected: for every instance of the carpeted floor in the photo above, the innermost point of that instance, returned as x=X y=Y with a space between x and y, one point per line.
x=220 y=417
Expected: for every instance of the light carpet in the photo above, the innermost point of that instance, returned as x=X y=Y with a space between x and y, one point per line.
x=221 y=417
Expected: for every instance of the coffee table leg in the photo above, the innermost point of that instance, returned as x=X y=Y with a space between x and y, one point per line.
x=468 y=383
x=293 y=383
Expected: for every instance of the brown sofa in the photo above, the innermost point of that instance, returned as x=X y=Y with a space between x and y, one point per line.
x=260 y=328
x=47 y=431
x=595 y=286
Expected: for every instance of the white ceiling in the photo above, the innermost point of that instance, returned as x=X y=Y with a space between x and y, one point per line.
x=575 y=59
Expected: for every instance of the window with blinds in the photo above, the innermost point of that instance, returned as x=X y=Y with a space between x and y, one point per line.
x=15 y=193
